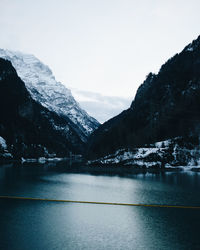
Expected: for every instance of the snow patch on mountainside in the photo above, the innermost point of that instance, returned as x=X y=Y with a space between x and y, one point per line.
x=3 y=144
x=4 y=153
x=44 y=88
x=134 y=157
x=168 y=153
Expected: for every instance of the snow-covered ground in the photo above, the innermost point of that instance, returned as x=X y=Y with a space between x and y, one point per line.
x=129 y=157
x=161 y=154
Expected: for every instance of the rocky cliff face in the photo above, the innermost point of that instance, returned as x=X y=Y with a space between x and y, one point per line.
x=27 y=128
x=166 y=106
x=53 y=95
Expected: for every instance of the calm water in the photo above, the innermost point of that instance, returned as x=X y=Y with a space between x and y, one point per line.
x=47 y=225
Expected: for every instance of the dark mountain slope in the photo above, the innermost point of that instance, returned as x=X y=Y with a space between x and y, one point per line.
x=29 y=129
x=53 y=95
x=166 y=105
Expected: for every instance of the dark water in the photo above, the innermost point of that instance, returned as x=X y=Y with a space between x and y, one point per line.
x=47 y=225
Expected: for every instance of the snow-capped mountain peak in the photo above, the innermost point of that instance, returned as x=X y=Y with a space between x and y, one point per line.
x=44 y=88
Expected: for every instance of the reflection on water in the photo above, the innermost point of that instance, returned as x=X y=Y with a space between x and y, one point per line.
x=46 y=225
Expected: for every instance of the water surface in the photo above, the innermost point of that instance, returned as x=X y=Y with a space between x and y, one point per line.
x=46 y=225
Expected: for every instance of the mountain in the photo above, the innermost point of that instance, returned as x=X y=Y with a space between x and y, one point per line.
x=53 y=95
x=27 y=128
x=166 y=109
x=99 y=106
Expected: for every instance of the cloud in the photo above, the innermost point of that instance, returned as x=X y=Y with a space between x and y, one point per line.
x=99 y=106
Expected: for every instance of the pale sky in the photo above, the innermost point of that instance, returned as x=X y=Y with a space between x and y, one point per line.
x=103 y=46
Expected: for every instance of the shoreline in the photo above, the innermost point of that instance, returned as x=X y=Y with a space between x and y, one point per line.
x=66 y=165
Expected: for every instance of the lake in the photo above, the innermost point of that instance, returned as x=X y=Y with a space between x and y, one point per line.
x=27 y=224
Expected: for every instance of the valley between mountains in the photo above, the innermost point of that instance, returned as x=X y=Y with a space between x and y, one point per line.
x=39 y=117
